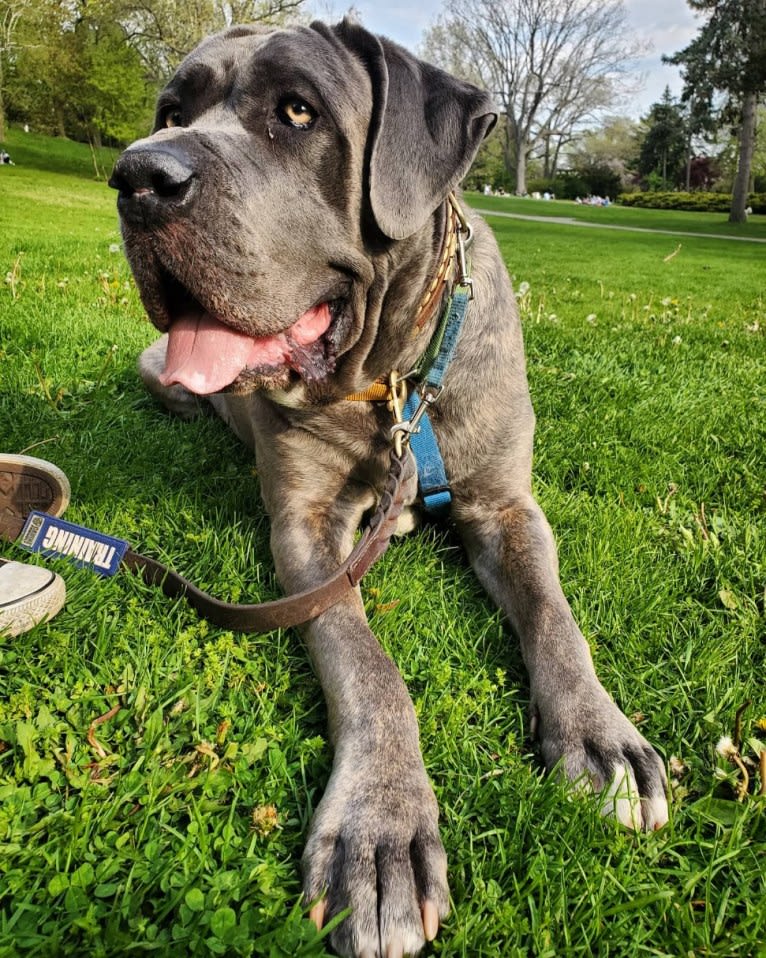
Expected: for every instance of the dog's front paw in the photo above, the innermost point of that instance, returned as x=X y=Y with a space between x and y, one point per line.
x=374 y=848
x=587 y=737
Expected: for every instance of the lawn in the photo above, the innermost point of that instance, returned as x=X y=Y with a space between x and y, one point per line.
x=175 y=826
x=623 y=216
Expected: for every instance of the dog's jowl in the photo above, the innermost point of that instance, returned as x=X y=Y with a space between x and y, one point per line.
x=292 y=227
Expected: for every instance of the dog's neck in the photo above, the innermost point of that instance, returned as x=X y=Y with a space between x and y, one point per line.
x=434 y=294
x=417 y=332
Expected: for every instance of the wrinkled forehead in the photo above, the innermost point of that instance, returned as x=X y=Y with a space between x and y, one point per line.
x=248 y=60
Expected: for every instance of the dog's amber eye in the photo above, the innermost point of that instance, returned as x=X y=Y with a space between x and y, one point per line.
x=174 y=118
x=296 y=112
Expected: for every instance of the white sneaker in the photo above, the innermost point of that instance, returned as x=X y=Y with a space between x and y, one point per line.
x=29 y=594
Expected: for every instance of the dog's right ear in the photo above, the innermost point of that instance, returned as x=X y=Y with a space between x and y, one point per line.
x=425 y=130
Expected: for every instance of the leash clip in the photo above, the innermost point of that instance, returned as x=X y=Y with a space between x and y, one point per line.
x=463 y=243
x=403 y=429
x=464 y=240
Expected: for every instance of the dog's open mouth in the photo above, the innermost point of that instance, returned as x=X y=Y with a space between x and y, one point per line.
x=206 y=355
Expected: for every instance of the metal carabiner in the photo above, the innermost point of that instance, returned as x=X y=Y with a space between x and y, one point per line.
x=464 y=278
x=403 y=429
x=397 y=390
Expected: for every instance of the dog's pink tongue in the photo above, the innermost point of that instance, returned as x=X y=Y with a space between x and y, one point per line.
x=205 y=356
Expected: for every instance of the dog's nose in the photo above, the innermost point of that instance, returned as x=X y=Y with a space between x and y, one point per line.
x=152 y=176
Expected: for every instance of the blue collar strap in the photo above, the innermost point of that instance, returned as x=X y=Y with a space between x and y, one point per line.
x=414 y=425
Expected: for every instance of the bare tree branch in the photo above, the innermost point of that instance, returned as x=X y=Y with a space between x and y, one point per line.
x=551 y=64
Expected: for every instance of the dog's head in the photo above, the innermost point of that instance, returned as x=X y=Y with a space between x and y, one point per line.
x=283 y=168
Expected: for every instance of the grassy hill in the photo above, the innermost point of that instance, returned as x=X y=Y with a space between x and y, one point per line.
x=56 y=155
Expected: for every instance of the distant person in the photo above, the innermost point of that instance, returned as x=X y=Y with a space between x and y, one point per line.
x=5 y=159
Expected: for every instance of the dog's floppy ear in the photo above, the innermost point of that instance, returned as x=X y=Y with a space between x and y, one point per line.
x=425 y=130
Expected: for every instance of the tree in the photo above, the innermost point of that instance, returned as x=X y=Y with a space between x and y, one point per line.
x=728 y=56
x=489 y=165
x=611 y=147
x=74 y=75
x=11 y=12
x=551 y=64
x=663 y=147
x=164 y=31
x=759 y=154
x=90 y=68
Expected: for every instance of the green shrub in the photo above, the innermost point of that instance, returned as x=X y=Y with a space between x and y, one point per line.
x=696 y=202
x=570 y=185
x=541 y=185
x=565 y=186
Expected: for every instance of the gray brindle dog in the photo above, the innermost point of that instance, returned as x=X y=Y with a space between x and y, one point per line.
x=285 y=222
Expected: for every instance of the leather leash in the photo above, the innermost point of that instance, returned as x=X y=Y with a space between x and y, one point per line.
x=293 y=609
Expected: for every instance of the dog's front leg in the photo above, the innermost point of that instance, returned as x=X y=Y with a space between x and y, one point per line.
x=374 y=843
x=581 y=730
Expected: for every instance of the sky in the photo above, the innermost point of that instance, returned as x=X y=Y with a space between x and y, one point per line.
x=665 y=25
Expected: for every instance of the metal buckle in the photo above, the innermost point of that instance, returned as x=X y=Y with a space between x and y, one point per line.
x=397 y=389
x=403 y=429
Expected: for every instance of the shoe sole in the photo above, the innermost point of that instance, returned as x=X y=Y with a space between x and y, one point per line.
x=27 y=483
x=20 y=615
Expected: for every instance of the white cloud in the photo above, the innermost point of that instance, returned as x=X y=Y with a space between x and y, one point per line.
x=668 y=25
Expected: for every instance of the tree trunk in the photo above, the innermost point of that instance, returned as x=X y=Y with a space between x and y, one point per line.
x=2 y=102
x=689 y=158
x=555 y=160
x=521 y=170
x=547 y=174
x=59 y=122
x=508 y=151
x=746 y=148
x=93 y=144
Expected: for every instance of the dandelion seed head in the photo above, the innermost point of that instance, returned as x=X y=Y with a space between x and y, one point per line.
x=725 y=747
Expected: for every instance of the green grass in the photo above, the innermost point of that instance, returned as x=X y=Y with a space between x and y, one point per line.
x=185 y=837
x=624 y=216
x=33 y=153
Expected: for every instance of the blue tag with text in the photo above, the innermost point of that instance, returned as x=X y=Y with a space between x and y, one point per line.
x=58 y=539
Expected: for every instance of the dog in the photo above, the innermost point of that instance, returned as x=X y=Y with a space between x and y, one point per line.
x=285 y=222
